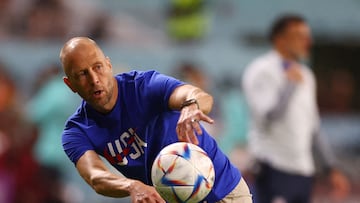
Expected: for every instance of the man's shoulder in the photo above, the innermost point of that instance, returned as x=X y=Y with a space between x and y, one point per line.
x=264 y=60
x=261 y=64
x=134 y=75
x=79 y=118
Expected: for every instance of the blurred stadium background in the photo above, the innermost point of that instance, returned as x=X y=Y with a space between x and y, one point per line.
x=204 y=42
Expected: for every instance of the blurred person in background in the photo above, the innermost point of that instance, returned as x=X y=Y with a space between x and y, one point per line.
x=7 y=100
x=12 y=14
x=285 y=125
x=22 y=178
x=48 y=108
x=46 y=19
x=8 y=91
x=235 y=120
x=187 y=21
x=52 y=20
x=192 y=73
x=5 y=19
x=338 y=91
x=33 y=19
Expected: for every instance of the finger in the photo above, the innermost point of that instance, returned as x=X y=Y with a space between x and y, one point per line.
x=197 y=128
x=151 y=200
x=206 y=118
x=178 y=132
x=159 y=199
x=186 y=139
x=189 y=133
x=194 y=139
x=186 y=132
x=182 y=137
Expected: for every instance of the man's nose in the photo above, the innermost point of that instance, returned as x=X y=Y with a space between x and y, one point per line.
x=94 y=77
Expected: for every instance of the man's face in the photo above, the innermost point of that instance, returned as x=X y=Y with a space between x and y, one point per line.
x=90 y=75
x=297 y=40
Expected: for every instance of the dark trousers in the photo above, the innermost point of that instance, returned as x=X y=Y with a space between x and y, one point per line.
x=272 y=184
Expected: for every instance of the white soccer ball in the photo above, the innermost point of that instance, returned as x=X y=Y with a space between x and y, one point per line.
x=183 y=172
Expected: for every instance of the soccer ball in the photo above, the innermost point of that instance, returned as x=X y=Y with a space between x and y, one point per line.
x=183 y=172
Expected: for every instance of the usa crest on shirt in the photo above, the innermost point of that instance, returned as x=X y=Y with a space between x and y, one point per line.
x=128 y=146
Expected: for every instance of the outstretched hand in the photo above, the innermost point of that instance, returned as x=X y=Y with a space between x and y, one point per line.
x=141 y=193
x=188 y=126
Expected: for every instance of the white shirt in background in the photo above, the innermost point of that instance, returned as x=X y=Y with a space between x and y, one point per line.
x=285 y=142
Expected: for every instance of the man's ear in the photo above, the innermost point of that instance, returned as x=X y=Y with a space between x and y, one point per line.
x=67 y=82
x=108 y=61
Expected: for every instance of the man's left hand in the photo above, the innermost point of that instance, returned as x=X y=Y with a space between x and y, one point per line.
x=188 y=126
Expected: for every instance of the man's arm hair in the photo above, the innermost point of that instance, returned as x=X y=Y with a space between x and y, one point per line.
x=96 y=174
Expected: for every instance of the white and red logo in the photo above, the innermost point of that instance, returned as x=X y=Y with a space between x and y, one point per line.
x=129 y=145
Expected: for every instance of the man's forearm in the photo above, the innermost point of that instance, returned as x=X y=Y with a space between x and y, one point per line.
x=281 y=106
x=205 y=101
x=187 y=92
x=96 y=174
x=111 y=185
x=323 y=148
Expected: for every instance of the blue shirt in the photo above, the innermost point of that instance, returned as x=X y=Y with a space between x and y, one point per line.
x=139 y=126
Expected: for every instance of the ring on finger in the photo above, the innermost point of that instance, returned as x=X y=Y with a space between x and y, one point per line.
x=194 y=120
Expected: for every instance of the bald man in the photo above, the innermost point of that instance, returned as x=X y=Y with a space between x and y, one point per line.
x=128 y=119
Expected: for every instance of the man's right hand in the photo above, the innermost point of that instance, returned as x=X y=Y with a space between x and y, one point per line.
x=294 y=73
x=141 y=193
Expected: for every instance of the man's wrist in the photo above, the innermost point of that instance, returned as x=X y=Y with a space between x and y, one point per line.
x=190 y=102
x=131 y=185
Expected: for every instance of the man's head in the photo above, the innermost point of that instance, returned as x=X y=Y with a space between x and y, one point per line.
x=291 y=36
x=89 y=73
